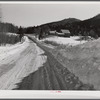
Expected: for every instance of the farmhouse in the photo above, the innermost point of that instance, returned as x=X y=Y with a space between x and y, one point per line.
x=64 y=33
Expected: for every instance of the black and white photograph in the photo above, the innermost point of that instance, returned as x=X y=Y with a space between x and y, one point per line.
x=50 y=46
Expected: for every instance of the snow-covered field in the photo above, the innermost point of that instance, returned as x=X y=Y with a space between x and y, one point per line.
x=66 y=41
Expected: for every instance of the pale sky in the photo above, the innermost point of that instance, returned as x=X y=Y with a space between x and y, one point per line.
x=36 y=14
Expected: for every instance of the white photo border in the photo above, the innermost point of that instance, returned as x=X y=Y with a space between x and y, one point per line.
x=48 y=94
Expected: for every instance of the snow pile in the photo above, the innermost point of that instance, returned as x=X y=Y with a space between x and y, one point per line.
x=5 y=51
x=11 y=34
x=75 y=37
x=69 y=41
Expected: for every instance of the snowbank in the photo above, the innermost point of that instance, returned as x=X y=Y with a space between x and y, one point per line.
x=11 y=33
x=69 y=41
x=5 y=51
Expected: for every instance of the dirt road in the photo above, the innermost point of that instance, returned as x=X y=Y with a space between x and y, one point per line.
x=35 y=68
x=52 y=76
x=18 y=65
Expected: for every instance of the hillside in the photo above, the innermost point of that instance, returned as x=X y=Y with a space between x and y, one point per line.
x=45 y=28
x=63 y=22
x=82 y=60
x=88 y=27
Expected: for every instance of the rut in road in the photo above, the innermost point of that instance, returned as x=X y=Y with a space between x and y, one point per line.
x=52 y=76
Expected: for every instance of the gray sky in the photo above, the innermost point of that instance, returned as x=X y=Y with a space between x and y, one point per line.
x=36 y=14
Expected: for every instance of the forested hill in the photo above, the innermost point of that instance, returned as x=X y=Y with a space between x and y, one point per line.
x=45 y=28
x=88 y=27
x=61 y=24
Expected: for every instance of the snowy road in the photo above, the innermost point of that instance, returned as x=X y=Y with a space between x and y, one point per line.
x=51 y=76
x=31 y=66
x=18 y=63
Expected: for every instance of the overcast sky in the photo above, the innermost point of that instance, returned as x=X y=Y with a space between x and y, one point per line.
x=36 y=14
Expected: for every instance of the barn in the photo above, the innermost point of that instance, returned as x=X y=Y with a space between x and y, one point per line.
x=64 y=33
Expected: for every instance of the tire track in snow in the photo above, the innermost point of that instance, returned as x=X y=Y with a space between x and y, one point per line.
x=52 y=76
x=29 y=61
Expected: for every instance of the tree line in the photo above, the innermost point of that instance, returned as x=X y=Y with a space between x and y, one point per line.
x=89 y=27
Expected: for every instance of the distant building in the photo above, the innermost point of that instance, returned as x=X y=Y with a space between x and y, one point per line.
x=52 y=32
x=64 y=33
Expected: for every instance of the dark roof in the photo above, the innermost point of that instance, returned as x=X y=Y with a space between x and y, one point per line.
x=65 y=31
